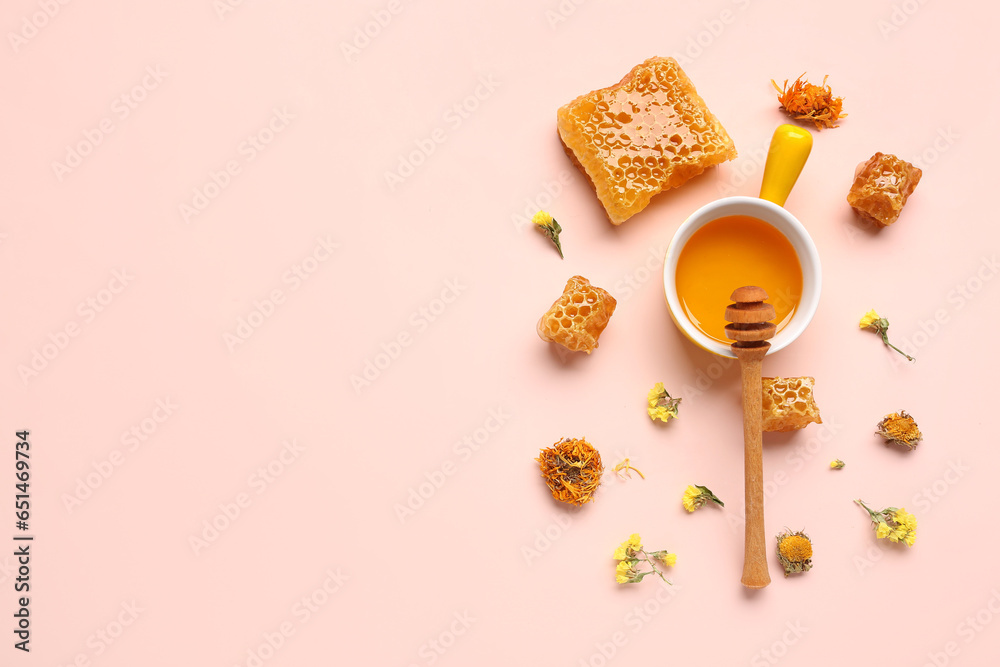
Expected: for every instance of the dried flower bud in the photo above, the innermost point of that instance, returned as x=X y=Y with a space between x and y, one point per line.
x=550 y=228
x=899 y=428
x=795 y=552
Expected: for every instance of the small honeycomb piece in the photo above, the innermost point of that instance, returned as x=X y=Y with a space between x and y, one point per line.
x=578 y=317
x=881 y=187
x=789 y=404
x=648 y=133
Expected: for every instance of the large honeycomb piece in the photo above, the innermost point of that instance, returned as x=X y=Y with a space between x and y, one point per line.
x=648 y=133
x=881 y=186
x=789 y=404
x=578 y=317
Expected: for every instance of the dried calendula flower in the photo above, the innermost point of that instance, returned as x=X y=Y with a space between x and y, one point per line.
x=795 y=552
x=696 y=496
x=880 y=325
x=659 y=404
x=572 y=470
x=806 y=101
x=837 y=464
x=625 y=467
x=899 y=428
x=548 y=226
x=894 y=523
x=630 y=554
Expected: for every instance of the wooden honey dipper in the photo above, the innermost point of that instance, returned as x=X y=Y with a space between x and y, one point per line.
x=751 y=327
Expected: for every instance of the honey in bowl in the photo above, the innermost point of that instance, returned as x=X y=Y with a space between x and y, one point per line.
x=729 y=252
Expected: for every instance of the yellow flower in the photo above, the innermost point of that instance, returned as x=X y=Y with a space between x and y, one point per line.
x=630 y=554
x=654 y=394
x=691 y=495
x=542 y=218
x=869 y=318
x=906 y=526
x=624 y=572
x=629 y=547
x=894 y=523
x=660 y=405
x=880 y=325
x=837 y=464
x=696 y=496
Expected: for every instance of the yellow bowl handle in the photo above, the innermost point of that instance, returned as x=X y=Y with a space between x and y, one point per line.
x=789 y=150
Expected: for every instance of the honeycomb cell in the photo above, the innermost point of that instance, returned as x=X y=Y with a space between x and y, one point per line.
x=788 y=404
x=656 y=113
x=577 y=328
x=881 y=187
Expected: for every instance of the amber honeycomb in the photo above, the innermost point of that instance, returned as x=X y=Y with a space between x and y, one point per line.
x=578 y=317
x=881 y=187
x=649 y=133
x=789 y=404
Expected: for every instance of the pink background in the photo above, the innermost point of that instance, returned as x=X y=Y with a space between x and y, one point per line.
x=488 y=570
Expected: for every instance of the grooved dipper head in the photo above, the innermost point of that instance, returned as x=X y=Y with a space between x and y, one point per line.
x=750 y=318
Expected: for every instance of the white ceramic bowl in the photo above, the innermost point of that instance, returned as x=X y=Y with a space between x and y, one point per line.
x=780 y=219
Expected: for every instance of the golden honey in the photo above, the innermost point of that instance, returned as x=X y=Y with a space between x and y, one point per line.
x=731 y=252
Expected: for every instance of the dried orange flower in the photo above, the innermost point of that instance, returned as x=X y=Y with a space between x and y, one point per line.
x=900 y=428
x=806 y=101
x=795 y=552
x=572 y=470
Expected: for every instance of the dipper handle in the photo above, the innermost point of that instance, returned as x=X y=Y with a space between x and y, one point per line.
x=755 y=573
x=750 y=328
